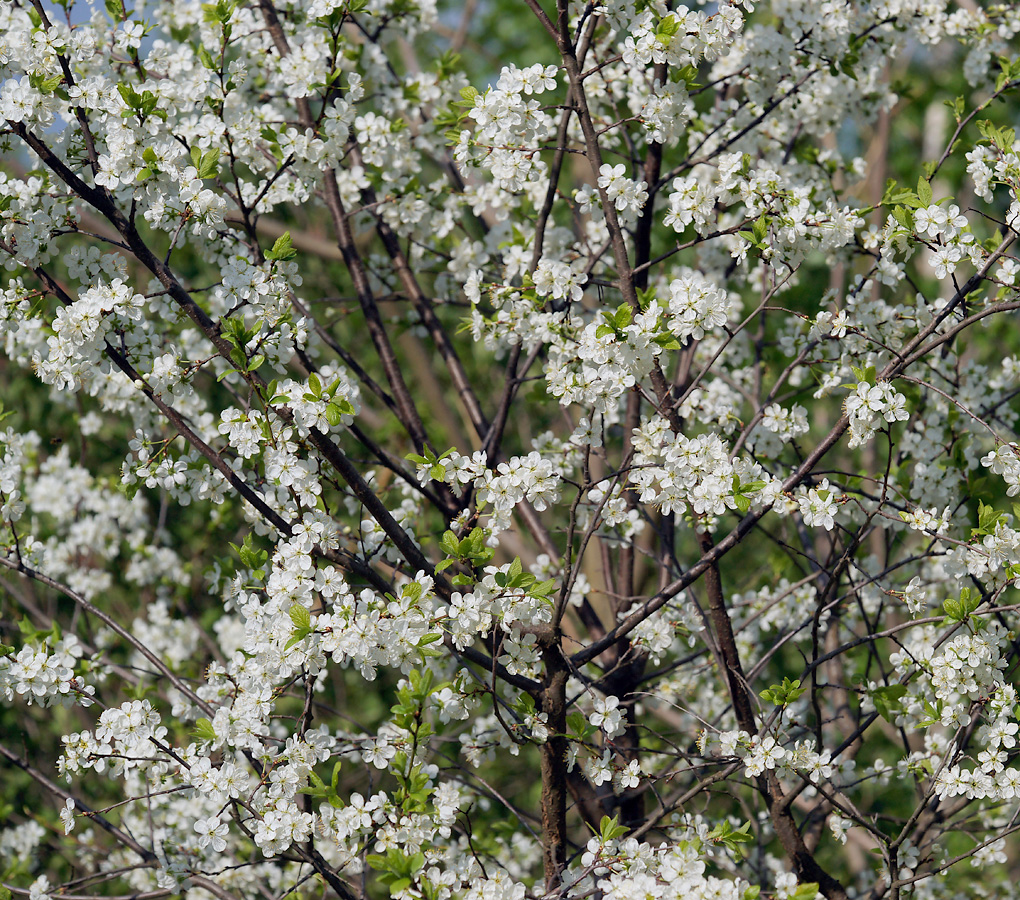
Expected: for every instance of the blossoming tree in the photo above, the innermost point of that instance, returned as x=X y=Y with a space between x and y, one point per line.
x=590 y=483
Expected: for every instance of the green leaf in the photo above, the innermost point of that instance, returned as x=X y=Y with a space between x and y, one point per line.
x=610 y=829
x=958 y=106
x=208 y=163
x=667 y=341
x=887 y=700
x=624 y=316
x=724 y=833
x=1001 y=139
x=688 y=74
x=1003 y=77
x=924 y=192
x=578 y=726
x=645 y=297
x=203 y=731
x=450 y=544
x=473 y=543
x=952 y=609
x=867 y=375
x=666 y=28
x=988 y=519
x=903 y=196
x=741 y=492
x=334 y=415
x=760 y=228
x=448 y=64
x=543 y=588
x=283 y=249
x=205 y=58
x=783 y=694
x=934 y=713
x=758 y=233
x=959 y=610
x=250 y=556
x=300 y=616
x=904 y=217
x=317 y=788
x=452 y=138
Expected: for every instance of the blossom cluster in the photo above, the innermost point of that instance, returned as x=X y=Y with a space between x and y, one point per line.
x=665 y=593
